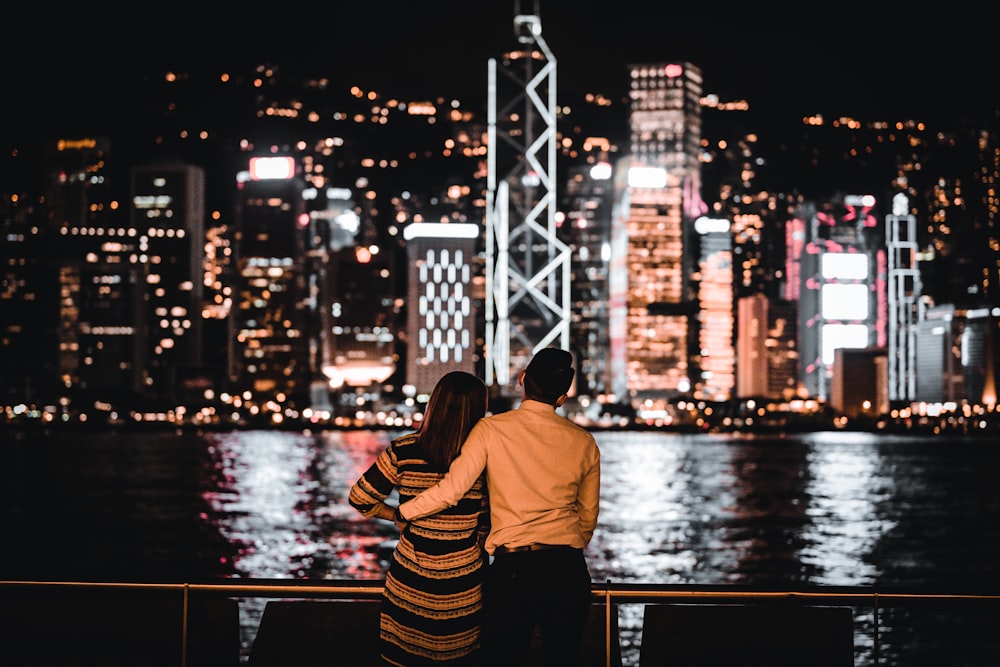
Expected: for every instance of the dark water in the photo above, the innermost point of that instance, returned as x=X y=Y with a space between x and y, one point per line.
x=918 y=514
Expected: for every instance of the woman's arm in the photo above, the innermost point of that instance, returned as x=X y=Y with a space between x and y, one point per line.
x=369 y=493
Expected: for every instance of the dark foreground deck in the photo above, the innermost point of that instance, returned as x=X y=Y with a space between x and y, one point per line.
x=330 y=623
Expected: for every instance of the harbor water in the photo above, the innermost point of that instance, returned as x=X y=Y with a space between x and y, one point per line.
x=918 y=514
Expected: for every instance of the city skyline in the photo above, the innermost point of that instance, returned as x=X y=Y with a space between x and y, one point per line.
x=286 y=109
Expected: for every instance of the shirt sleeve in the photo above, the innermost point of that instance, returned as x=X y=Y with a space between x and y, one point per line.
x=461 y=475
x=589 y=498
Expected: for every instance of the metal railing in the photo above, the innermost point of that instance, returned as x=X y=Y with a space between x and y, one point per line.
x=608 y=593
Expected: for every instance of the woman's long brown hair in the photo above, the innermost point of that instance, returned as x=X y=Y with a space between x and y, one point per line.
x=457 y=402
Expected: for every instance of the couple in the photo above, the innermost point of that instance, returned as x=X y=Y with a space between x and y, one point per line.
x=523 y=488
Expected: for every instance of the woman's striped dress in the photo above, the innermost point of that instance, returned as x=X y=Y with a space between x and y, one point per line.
x=432 y=604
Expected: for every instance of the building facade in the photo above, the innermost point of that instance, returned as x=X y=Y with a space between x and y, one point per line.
x=657 y=199
x=441 y=312
x=168 y=213
x=269 y=356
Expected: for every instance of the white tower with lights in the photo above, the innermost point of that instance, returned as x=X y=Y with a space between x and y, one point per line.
x=527 y=266
x=906 y=308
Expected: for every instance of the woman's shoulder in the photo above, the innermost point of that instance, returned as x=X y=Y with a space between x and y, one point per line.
x=406 y=440
x=408 y=452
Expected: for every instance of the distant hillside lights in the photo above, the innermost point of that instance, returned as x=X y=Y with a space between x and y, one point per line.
x=713 y=102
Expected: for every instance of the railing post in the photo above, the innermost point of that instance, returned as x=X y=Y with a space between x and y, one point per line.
x=875 y=620
x=184 y=624
x=607 y=623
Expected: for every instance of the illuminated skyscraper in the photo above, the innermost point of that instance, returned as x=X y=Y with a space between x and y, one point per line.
x=101 y=264
x=29 y=301
x=359 y=305
x=657 y=198
x=270 y=317
x=906 y=307
x=938 y=364
x=782 y=350
x=168 y=212
x=119 y=314
x=766 y=349
x=859 y=383
x=355 y=299
x=587 y=229
x=981 y=355
x=843 y=298
x=440 y=313
x=716 y=331
x=751 y=346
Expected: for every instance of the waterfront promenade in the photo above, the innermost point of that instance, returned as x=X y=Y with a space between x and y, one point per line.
x=888 y=513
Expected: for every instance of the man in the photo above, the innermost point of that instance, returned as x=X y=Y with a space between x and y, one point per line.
x=543 y=477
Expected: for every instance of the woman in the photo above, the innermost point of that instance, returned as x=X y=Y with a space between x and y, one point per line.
x=432 y=601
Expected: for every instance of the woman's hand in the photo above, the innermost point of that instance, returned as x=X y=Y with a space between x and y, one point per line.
x=400 y=522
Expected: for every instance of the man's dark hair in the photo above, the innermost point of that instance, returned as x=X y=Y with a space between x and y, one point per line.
x=549 y=375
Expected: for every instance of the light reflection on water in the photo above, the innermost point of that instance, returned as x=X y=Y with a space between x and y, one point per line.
x=782 y=512
x=695 y=509
x=844 y=491
x=265 y=489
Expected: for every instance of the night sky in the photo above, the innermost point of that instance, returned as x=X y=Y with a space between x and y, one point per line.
x=856 y=61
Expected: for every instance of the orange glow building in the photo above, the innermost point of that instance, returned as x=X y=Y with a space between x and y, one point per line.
x=653 y=303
